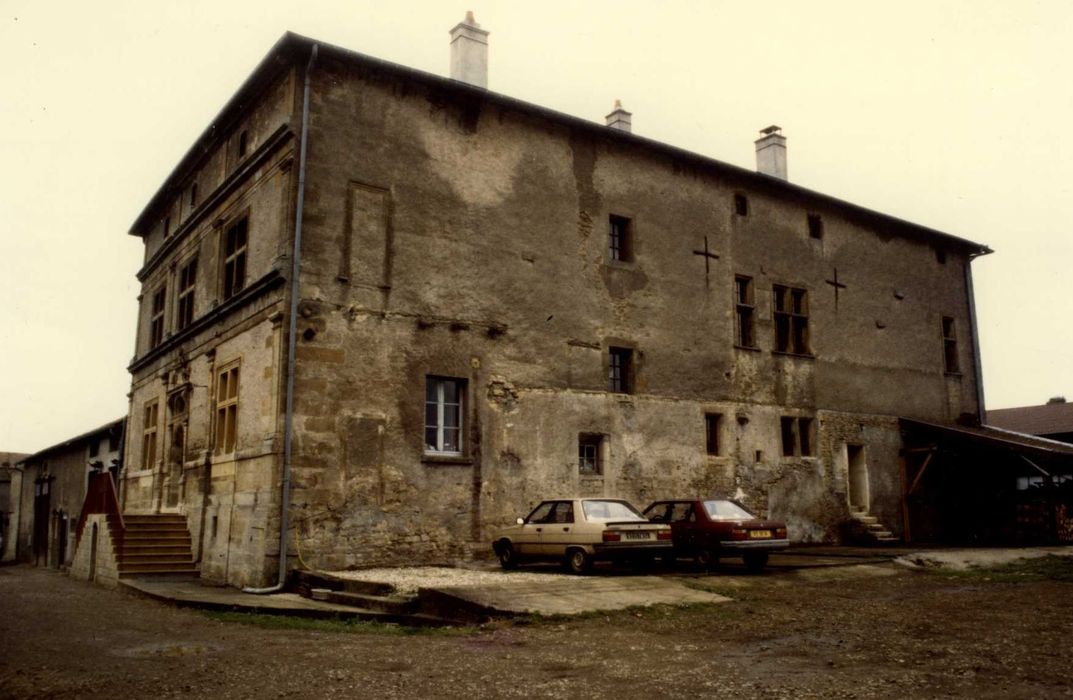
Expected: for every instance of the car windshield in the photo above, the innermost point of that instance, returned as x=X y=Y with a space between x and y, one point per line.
x=610 y=510
x=726 y=510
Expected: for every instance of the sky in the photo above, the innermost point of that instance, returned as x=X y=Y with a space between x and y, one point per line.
x=953 y=114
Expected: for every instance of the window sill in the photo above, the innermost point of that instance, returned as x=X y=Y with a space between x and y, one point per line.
x=591 y=477
x=751 y=348
x=808 y=356
x=458 y=460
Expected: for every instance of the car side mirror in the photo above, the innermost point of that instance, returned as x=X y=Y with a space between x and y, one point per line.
x=520 y=521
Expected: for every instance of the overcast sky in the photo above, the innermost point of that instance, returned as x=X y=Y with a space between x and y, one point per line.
x=956 y=115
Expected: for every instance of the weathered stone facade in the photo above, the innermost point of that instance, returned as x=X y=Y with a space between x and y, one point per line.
x=456 y=238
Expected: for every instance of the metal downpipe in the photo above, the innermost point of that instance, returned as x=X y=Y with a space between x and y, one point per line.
x=292 y=330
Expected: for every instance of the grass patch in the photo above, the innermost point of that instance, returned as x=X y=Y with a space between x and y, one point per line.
x=338 y=626
x=1046 y=568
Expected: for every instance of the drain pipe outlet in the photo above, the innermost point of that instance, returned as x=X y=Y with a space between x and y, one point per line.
x=292 y=330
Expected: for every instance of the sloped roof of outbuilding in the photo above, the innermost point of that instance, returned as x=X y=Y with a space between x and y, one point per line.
x=1048 y=419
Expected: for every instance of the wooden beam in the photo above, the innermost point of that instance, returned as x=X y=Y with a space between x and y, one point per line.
x=923 y=468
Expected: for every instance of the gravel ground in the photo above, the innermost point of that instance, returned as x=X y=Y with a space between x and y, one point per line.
x=409 y=579
x=875 y=631
x=964 y=559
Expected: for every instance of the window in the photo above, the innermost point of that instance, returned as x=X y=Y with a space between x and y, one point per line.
x=167 y=226
x=193 y=195
x=791 y=320
x=227 y=410
x=741 y=204
x=815 y=226
x=243 y=144
x=156 y=318
x=184 y=314
x=620 y=243
x=796 y=436
x=590 y=458
x=620 y=370
x=235 y=258
x=443 y=416
x=743 y=295
x=94 y=448
x=950 y=346
x=711 y=432
x=149 y=435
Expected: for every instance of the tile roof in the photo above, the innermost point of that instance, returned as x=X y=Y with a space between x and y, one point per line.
x=1048 y=419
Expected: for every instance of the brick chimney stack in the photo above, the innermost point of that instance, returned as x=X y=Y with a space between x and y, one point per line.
x=469 y=52
x=771 y=153
x=619 y=118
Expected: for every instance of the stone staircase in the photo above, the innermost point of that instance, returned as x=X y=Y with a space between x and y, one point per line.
x=873 y=530
x=377 y=602
x=155 y=545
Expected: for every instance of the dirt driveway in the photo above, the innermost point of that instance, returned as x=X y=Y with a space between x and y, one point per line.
x=847 y=632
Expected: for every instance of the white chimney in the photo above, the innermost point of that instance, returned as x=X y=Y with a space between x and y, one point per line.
x=771 y=153
x=619 y=118
x=469 y=52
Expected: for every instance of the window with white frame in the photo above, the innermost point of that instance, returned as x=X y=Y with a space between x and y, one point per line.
x=443 y=415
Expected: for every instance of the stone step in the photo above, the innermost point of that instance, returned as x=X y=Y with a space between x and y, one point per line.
x=185 y=573
x=389 y=604
x=145 y=535
x=175 y=557
x=875 y=527
x=867 y=519
x=305 y=581
x=155 y=566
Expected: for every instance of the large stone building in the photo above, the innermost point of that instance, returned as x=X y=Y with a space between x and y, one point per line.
x=496 y=303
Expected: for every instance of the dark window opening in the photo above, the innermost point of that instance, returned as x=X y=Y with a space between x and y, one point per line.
x=193 y=195
x=589 y=453
x=156 y=318
x=796 y=436
x=787 y=436
x=94 y=448
x=815 y=226
x=620 y=245
x=743 y=296
x=741 y=205
x=791 y=320
x=235 y=239
x=184 y=314
x=950 y=346
x=940 y=256
x=167 y=226
x=712 y=422
x=620 y=370
x=243 y=143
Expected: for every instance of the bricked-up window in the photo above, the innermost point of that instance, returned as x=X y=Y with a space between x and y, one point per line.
x=156 y=317
x=712 y=421
x=590 y=453
x=791 y=320
x=815 y=226
x=620 y=370
x=149 y=428
x=744 y=308
x=741 y=204
x=443 y=415
x=796 y=436
x=620 y=238
x=184 y=302
x=227 y=410
x=950 y=346
x=235 y=258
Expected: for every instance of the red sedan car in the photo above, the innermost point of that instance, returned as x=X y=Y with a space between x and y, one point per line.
x=709 y=529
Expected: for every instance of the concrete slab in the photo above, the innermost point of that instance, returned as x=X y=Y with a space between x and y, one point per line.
x=962 y=559
x=191 y=593
x=573 y=595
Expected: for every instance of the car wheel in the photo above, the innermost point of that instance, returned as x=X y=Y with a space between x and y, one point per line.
x=706 y=559
x=508 y=558
x=755 y=561
x=578 y=561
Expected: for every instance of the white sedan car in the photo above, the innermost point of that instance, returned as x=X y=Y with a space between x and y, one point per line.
x=578 y=531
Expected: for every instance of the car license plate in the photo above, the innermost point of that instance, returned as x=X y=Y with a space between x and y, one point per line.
x=760 y=534
x=637 y=535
